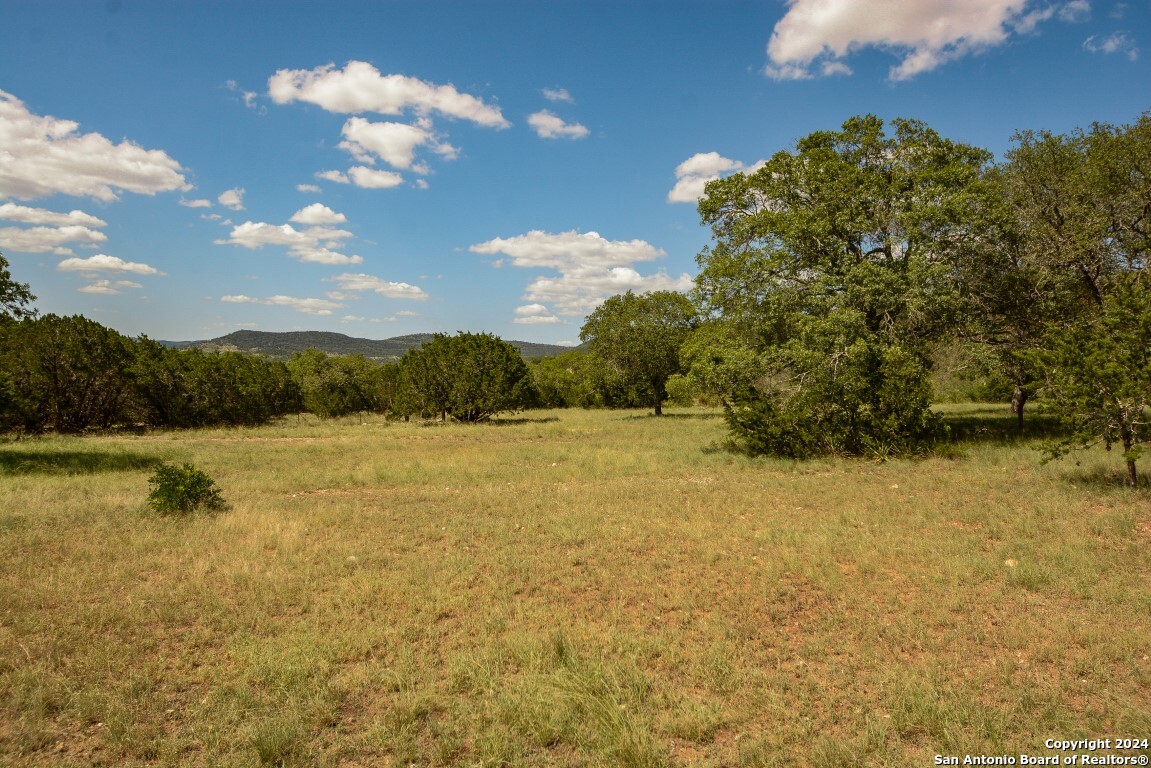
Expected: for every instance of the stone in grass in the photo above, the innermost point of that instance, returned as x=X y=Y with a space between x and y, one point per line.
x=181 y=490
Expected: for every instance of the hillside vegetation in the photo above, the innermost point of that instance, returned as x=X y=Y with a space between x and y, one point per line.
x=282 y=345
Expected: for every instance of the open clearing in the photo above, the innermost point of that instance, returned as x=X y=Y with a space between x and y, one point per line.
x=562 y=588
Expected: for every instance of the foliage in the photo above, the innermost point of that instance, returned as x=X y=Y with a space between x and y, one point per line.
x=469 y=376
x=1098 y=374
x=15 y=297
x=579 y=379
x=834 y=267
x=841 y=392
x=190 y=388
x=851 y=220
x=183 y=489
x=640 y=336
x=1080 y=205
x=720 y=362
x=67 y=373
x=337 y=385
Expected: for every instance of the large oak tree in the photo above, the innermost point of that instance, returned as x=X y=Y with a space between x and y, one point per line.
x=836 y=261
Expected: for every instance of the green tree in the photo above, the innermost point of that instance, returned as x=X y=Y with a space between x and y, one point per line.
x=721 y=363
x=640 y=336
x=469 y=376
x=836 y=262
x=1083 y=206
x=337 y=385
x=1053 y=257
x=69 y=373
x=190 y=388
x=15 y=304
x=1098 y=374
x=15 y=298
x=578 y=379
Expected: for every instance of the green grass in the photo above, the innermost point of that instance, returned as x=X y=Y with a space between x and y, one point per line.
x=564 y=588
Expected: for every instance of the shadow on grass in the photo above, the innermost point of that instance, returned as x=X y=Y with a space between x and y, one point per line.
x=494 y=422
x=1110 y=480
x=521 y=420
x=991 y=424
x=674 y=416
x=32 y=461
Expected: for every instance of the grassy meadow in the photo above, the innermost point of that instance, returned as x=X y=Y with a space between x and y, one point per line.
x=564 y=588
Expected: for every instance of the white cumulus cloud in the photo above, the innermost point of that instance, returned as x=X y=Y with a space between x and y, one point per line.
x=693 y=174
x=307 y=188
x=394 y=143
x=550 y=126
x=359 y=87
x=108 y=287
x=924 y=34
x=48 y=239
x=26 y=215
x=43 y=156
x=318 y=213
x=196 y=203
x=104 y=263
x=320 y=307
x=535 y=314
x=591 y=268
x=363 y=177
x=233 y=198
x=53 y=231
x=315 y=244
x=358 y=283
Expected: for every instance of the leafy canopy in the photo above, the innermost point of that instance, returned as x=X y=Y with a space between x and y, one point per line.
x=835 y=262
x=15 y=298
x=469 y=376
x=640 y=336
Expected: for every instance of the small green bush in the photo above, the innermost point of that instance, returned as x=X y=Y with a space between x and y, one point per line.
x=180 y=490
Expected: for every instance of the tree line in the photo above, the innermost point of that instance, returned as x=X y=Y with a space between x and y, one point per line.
x=836 y=273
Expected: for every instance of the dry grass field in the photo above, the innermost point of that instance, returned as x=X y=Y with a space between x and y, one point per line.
x=564 y=588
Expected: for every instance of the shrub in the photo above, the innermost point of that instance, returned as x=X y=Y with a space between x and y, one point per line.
x=867 y=399
x=180 y=490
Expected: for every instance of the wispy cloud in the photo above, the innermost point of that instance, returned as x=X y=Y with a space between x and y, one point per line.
x=535 y=314
x=550 y=126
x=318 y=307
x=108 y=287
x=363 y=177
x=1117 y=42
x=558 y=94
x=360 y=283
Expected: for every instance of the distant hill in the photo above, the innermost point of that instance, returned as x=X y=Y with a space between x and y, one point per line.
x=283 y=345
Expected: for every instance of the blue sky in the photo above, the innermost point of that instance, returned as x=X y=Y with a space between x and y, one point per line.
x=184 y=170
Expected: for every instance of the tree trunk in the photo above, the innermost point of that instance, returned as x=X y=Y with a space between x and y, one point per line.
x=658 y=406
x=1018 y=400
x=1132 y=478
